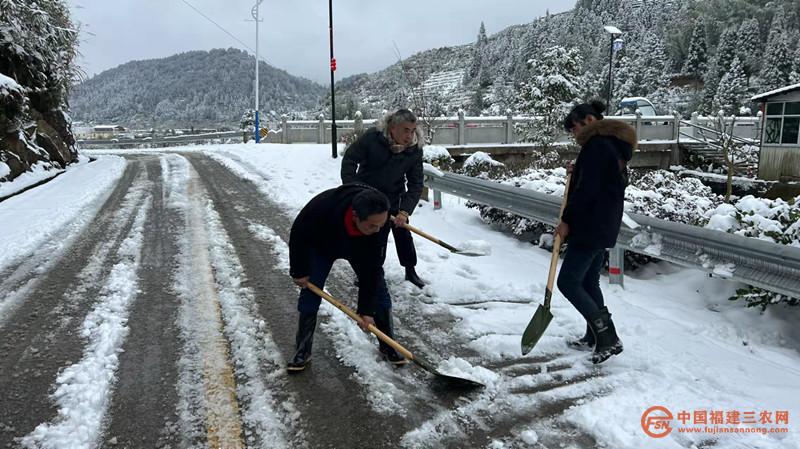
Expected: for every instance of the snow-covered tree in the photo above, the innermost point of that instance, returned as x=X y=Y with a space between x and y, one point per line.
x=477 y=70
x=549 y=93
x=732 y=91
x=748 y=46
x=795 y=78
x=777 y=65
x=697 y=58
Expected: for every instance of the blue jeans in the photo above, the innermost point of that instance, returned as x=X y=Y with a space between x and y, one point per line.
x=579 y=279
x=308 y=302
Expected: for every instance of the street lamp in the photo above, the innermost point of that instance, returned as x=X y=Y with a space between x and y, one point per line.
x=616 y=44
x=333 y=94
x=254 y=13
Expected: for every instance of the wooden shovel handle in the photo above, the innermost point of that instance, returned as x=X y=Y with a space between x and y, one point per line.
x=433 y=239
x=377 y=332
x=556 y=245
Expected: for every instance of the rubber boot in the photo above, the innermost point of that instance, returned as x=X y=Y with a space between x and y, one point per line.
x=383 y=321
x=305 y=337
x=411 y=276
x=584 y=343
x=607 y=341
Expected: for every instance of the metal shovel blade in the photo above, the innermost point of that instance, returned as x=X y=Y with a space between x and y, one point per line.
x=452 y=381
x=538 y=324
x=468 y=253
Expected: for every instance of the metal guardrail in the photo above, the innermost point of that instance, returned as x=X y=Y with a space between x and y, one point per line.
x=184 y=138
x=752 y=261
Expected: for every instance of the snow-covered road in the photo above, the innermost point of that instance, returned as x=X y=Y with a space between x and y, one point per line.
x=145 y=302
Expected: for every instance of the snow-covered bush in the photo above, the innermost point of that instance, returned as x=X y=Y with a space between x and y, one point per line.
x=481 y=165
x=661 y=194
x=776 y=221
x=437 y=156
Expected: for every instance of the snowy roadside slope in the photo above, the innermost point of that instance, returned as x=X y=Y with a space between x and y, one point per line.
x=687 y=347
x=32 y=217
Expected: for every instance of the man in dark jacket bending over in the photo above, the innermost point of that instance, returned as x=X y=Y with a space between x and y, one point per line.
x=341 y=223
x=389 y=158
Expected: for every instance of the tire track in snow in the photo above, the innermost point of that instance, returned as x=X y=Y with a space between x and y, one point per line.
x=83 y=390
x=210 y=284
x=19 y=280
x=45 y=334
x=143 y=409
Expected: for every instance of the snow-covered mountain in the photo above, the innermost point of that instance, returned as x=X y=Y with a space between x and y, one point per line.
x=197 y=88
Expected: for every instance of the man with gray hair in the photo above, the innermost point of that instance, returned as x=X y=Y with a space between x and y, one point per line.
x=388 y=157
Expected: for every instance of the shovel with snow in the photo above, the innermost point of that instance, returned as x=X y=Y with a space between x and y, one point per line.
x=451 y=248
x=422 y=363
x=541 y=319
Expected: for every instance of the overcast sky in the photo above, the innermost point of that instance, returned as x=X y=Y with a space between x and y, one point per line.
x=294 y=33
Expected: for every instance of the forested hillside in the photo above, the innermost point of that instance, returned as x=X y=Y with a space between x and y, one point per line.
x=677 y=53
x=197 y=88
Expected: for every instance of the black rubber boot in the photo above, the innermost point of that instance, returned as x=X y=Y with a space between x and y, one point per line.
x=584 y=343
x=383 y=321
x=411 y=276
x=305 y=337
x=607 y=341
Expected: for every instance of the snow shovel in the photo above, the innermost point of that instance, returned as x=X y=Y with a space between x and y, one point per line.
x=444 y=245
x=422 y=363
x=541 y=319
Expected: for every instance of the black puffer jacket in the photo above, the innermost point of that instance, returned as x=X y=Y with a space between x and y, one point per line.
x=319 y=227
x=597 y=191
x=370 y=160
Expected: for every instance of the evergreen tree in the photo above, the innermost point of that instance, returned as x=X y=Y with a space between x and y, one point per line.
x=777 y=65
x=732 y=91
x=749 y=46
x=697 y=58
x=476 y=68
x=549 y=94
x=795 y=78
x=727 y=50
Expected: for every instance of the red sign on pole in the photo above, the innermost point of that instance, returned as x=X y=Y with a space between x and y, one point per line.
x=333 y=64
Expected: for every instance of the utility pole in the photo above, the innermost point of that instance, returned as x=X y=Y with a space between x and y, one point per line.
x=334 y=153
x=254 y=13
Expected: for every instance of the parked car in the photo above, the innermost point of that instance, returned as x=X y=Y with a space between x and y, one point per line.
x=628 y=106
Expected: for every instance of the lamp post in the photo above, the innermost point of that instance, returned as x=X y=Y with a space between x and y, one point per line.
x=254 y=13
x=333 y=94
x=614 y=32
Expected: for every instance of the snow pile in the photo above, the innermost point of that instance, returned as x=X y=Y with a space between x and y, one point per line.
x=4 y=170
x=8 y=85
x=476 y=247
x=458 y=367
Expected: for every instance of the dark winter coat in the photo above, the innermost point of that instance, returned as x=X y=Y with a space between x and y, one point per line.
x=319 y=227
x=597 y=191
x=370 y=160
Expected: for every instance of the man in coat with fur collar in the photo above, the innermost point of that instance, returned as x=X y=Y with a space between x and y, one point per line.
x=388 y=157
x=592 y=218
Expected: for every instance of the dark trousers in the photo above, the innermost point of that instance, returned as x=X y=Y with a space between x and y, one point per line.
x=579 y=279
x=406 y=252
x=308 y=305
x=308 y=302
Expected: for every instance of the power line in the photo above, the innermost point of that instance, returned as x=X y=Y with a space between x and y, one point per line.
x=225 y=31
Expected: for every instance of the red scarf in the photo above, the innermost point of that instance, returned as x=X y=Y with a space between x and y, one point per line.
x=350 y=224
